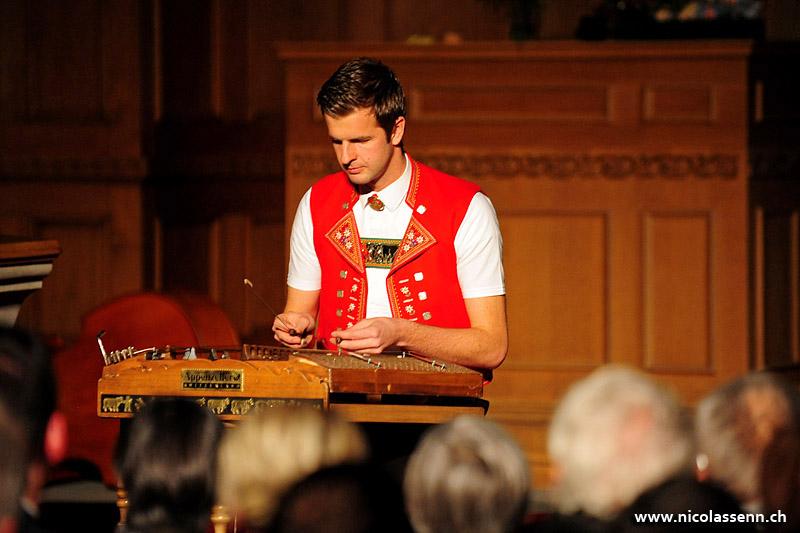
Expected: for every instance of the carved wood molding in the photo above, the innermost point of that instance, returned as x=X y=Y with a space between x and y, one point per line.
x=555 y=166
x=220 y=165
x=73 y=167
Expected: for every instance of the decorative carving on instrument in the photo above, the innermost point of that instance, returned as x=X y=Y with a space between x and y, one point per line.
x=219 y=405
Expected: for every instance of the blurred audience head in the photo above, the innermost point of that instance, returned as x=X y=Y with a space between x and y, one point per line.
x=685 y=496
x=736 y=423
x=28 y=391
x=167 y=463
x=780 y=478
x=270 y=450
x=351 y=498
x=12 y=471
x=615 y=434
x=467 y=475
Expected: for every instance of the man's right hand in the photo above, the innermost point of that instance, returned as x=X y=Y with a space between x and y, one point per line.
x=294 y=330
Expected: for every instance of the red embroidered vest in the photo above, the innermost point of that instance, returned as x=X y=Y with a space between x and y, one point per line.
x=422 y=283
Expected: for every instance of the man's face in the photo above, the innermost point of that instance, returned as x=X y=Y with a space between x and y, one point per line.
x=363 y=151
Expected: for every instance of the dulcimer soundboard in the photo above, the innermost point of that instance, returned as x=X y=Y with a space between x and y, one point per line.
x=234 y=381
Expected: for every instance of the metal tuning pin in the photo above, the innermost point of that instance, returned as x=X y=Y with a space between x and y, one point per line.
x=360 y=357
x=102 y=348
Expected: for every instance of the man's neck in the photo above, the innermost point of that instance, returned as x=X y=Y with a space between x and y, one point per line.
x=395 y=169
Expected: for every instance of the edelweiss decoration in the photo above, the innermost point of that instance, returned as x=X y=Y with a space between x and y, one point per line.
x=343 y=235
x=415 y=241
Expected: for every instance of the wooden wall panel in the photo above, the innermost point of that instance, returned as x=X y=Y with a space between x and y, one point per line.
x=243 y=247
x=677 y=293
x=557 y=294
x=681 y=103
x=64 y=60
x=71 y=161
x=84 y=278
x=504 y=103
x=70 y=97
x=99 y=229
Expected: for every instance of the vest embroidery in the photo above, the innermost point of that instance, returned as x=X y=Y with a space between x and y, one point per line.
x=343 y=237
x=416 y=240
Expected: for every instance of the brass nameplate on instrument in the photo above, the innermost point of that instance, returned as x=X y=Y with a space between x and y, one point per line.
x=192 y=378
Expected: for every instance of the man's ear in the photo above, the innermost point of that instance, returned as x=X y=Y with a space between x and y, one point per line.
x=55 y=438
x=398 y=130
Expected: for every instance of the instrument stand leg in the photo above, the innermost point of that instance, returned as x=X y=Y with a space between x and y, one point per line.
x=122 y=503
x=220 y=518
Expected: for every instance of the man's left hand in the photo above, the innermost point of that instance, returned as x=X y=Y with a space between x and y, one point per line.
x=371 y=335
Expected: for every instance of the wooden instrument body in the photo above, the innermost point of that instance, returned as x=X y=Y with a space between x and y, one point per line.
x=388 y=388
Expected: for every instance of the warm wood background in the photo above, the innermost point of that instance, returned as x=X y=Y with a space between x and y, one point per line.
x=647 y=193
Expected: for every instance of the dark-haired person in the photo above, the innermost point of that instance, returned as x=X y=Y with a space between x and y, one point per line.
x=28 y=389
x=346 y=498
x=167 y=462
x=11 y=468
x=390 y=253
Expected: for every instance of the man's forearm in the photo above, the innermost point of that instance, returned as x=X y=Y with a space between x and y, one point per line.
x=472 y=347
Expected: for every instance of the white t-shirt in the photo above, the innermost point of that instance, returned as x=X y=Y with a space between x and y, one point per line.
x=478 y=245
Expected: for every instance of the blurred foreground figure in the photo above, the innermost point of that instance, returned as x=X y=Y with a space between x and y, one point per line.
x=748 y=434
x=167 y=462
x=615 y=434
x=11 y=468
x=684 y=498
x=270 y=451
x=467 y=475
x=28 y=390
x=351 y=498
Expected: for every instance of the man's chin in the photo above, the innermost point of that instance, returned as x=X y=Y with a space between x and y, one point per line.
x=360 y=181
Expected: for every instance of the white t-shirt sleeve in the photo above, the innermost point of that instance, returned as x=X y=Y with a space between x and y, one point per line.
x=479 y=250
x=305 y=273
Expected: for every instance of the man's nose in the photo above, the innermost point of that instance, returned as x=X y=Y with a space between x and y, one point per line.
x=348 y=154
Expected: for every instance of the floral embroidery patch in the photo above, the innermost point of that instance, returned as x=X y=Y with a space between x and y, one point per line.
x=344 y=238
x=416 y=240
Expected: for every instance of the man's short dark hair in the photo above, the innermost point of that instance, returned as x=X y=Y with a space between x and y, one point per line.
x=364 y=83
x=27 y=385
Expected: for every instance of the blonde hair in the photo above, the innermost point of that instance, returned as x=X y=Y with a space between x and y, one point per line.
x=615 y=434
x=271 y=450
